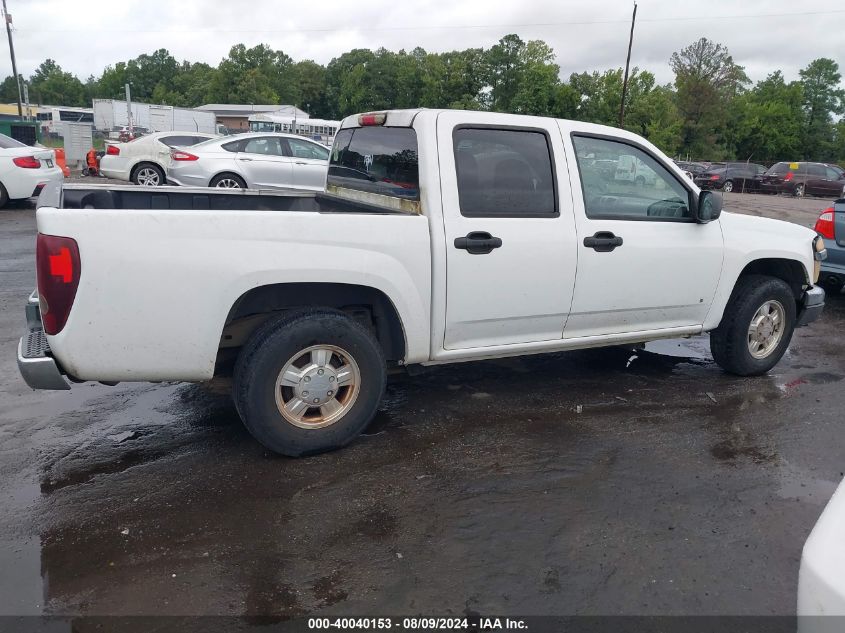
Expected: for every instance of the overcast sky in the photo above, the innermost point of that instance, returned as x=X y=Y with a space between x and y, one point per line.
x=762 y=35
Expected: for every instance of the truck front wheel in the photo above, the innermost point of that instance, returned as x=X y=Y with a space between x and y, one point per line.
x=309 y=381
x=756 y=327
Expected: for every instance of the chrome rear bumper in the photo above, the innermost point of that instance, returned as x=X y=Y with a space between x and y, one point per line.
x=35 y=364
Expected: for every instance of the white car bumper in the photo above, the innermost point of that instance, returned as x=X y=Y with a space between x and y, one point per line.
x=26 y=183
x=821 y=581
x=116 y=167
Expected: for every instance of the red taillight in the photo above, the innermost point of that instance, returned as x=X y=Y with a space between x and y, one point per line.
x=57 y=269
x=788 y=176
x=714 y=177
x=180 y=155
x=825 y=225
x=372 y=119
x=27 y=162
x=113 y=150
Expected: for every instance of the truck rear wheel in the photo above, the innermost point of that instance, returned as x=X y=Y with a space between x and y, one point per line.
x=309 y=381
x=756 y=327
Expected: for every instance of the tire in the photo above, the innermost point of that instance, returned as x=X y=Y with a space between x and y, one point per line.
x=4 y=196
x=227 y=181
x=148 y=175
x=282 y=345
x=728 y=186
x=800 y=190
x=730 y=342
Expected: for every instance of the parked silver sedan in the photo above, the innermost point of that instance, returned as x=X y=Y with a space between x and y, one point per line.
x=251 y=161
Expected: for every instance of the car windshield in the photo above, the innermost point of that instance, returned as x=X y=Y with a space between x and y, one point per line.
x=7 y=142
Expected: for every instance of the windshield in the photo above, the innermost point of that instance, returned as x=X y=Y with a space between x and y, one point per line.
x=7 y=142
x=381 y=160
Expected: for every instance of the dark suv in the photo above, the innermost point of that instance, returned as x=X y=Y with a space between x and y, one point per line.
x=805 y=179
x=731 y=177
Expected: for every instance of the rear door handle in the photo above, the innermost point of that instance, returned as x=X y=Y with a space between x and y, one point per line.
x=478 y=243
x=301 y=162
x=603 y=242
x=245 y=159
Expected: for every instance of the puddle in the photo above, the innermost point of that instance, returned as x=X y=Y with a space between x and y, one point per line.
x=21 y=593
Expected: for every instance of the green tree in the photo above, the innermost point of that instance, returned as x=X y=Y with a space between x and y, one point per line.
x=9 y=89
x=51 y=85
x=536 y=91
x=504 y=64
x=767 y=123
x=707 y=81
x=823 y=97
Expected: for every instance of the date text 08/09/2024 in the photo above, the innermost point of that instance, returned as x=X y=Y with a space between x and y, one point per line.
x=476 y=623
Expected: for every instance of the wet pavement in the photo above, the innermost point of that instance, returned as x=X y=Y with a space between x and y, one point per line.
x=595 y=482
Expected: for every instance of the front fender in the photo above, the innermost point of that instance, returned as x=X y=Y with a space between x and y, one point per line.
x=749 y=239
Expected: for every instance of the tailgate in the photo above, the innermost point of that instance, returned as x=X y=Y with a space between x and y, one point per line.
x=839 y=221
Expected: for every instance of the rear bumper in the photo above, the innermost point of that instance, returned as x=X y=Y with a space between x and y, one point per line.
x=35 y=364
x=812 y=305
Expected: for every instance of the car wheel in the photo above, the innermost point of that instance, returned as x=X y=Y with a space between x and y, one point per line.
x=227 y=181
x=4 y=196
x=756 y=327
x=309 y=381
x=800 y=190
x=148 y=175
x=728 y=186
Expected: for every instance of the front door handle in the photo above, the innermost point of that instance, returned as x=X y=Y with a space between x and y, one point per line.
x=603 y=242
x=245 y=159
x=301 y=162
x=478 y=243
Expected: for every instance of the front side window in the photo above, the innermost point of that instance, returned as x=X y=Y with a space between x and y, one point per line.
x=504 y=173
x=621 y=181
x=376 y=159
x=311 y=151
x=832 y=174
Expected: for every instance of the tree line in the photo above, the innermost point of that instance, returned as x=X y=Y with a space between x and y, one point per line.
x=711 y=110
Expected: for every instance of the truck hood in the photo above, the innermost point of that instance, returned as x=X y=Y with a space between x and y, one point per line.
x=736 y=225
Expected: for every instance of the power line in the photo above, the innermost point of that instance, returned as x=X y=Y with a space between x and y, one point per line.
x=446 y=27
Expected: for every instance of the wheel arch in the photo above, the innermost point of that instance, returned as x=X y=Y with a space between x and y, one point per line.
x=370 y=306
x=790 y=270
x=137 y=165
x=228 y=172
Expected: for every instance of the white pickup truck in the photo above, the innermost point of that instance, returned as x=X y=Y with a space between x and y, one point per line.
x=442 y=236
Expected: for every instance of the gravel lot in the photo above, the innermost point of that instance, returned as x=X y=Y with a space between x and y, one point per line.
x=480 y=487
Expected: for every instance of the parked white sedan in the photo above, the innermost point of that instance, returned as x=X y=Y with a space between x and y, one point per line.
x=821 y=581
x=24 y=170
x=252 y=161
x=144 y=161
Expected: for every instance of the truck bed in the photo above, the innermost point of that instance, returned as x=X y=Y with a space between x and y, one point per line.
x=106 y=196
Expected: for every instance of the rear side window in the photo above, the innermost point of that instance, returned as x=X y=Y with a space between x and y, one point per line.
x=233 y=146
x=504 y=173
x=376 y=159
x=814 y=169
x=7 y=142
x=178 y=141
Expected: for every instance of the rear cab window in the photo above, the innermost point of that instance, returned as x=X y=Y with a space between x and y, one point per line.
x=377 y=165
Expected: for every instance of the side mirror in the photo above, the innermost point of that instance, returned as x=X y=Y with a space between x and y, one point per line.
x=709 y=207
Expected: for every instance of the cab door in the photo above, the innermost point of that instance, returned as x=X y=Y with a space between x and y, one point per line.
x=643 y=261
x=510 y=234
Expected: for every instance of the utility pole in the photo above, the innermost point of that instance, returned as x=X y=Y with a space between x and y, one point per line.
x=12 y=52
x=627 y=65
x=128 y=109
